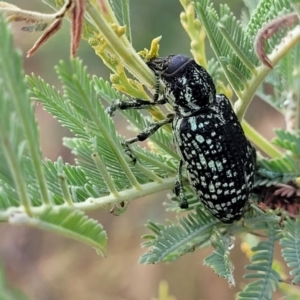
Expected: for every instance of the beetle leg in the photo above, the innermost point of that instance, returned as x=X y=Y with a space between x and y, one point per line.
x=135 y=103
x=178 y=189
x=132 y=104
x=143 y=135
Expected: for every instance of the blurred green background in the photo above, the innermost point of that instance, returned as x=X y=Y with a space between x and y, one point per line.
x=45 y=266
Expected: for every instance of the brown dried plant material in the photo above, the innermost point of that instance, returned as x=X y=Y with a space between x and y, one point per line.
x=33 y=21
x=76 y=25
x=45 y=37
x=283 y=196
x=268 y=31
x=49 y=24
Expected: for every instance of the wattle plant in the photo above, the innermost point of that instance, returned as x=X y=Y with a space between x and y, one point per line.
x=260 y=48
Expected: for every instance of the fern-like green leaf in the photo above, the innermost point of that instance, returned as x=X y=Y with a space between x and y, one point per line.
x=219 y=260
x=97 y=146
x=290 y=243
x=267 y=176
x=267 y=278
x=69 y=222
x=76 y=178
x=18 y=129
x=289 y=141
x=283 y=169
x=224 y=52
x=173 y=241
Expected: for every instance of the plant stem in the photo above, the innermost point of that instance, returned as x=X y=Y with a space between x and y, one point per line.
x=256 y=138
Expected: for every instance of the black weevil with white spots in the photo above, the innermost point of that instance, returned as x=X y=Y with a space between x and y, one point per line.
x=208 y=137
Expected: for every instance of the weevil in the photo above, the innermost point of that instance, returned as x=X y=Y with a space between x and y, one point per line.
x=213 y=149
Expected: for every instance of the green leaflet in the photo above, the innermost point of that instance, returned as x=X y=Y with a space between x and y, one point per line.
x=173 y=241
x=283 y=169
x=219 y=260
x=70 y=223
x=290 y=243
x=79 y=109
x=267 y=279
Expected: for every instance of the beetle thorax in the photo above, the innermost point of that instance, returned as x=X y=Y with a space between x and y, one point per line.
x=190 y=90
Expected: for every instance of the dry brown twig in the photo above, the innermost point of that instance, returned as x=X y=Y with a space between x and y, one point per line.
x=49 y=23
x=267 y=31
